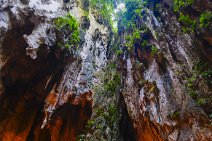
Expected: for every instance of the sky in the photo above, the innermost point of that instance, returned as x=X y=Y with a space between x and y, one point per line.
x=120 y=7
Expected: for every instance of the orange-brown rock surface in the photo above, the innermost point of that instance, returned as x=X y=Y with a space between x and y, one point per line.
x=45 y=94
x=49 y=93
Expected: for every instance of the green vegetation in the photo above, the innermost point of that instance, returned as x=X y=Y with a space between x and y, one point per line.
x=129 y=18
x=180 y=4
x=105 y=110
x=189 y=24
x=205 y=19
x=135 y=38
x=104 y=12
x=68 y=26
x=112 y=83
x=204 y=70
x=119 y=52
x=202 y=74
x=154 y=50
x=175 y=114
x=158 y=6
x=132 y=39
x=201 y=101
x=191 y=87
x=130 y=22
x=104 y=9
x=115 y=45
x=111 y=80
x=144 y=43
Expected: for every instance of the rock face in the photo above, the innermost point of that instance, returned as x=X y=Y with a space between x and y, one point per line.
x=155 y=87
x=44 y=95
x=47 y=93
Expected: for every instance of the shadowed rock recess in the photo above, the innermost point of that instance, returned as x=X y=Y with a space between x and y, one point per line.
x=105 y=70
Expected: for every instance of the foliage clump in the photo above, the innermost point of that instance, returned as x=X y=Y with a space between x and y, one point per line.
x=69 y=30
x=104 y=9
x=132 y=39
x=130 y=22
x=204 y=70
x=205 y=19
x=130 y=19
x=136 y=39
x=202 y=75
x=180 y=4
x=105 y=118
x=154 y=50
x=191 y=24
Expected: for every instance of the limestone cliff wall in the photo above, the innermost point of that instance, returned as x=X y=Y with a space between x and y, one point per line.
x=157 y=87
x=48 y=93
x=45 y=94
